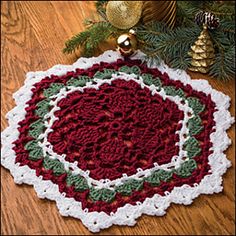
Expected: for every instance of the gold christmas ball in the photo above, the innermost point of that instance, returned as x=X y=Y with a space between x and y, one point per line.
x=124 y=14
x=127 y=43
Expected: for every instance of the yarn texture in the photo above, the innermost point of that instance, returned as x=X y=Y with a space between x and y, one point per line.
x=110 y=139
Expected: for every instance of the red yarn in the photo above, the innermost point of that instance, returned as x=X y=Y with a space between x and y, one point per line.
x=147 y=130
x=116 y=129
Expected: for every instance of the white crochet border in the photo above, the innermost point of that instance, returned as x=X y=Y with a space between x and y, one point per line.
x=127 y=214
x=50 y=118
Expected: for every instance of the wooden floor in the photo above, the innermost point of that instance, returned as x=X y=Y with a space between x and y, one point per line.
x=33 y=35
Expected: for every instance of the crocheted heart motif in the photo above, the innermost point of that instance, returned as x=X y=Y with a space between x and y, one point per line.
x=110 y=139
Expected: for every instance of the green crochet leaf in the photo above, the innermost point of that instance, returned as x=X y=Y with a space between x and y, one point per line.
x=192 y=147
x=157 y=176
x=129 y=186
x=36 y=154
x=196 y=105
x=153 y=179
x=130 y=70
x=194 y=125
x=42 y=108
x=157 y=82
x=81 y=184
x=53 y=89
x=71 y=179
x=95 y=194
x=135 y=70
x=191 y=142
x=36 y=128
x=125 y=69
x=108 y=195
x=53 y=164
x=186 y=168
x=80 y=81
x=164 y=175
x=147 y=79
x=78 y=181
x=31 y=145
x=172 y=91
x=105 y=74
x=38 y=124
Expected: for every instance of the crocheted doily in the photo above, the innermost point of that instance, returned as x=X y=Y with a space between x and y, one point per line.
x=109 y=139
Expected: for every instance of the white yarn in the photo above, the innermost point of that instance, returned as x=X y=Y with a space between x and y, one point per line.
x=127 y=214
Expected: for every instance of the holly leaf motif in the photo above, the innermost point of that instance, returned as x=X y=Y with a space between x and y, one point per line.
x=196 y=105
x=53 y=89
x=192 y=147
x=36 y=154
x=186 y=168
x=147 y=79
x=31 y=145
x=105 y=74
x=80 y=81
x=194 y=125
x=108 y=195
x=129 y=186
x=95 y=194
x=42 y=108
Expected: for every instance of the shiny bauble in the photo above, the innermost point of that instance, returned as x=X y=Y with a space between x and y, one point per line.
x=124 y=14
x=127 y=44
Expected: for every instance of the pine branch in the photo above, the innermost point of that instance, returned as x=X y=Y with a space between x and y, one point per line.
x=101 y=10
x=170 y=45
x=224 y=66
x=90 y=38
x=76 y=41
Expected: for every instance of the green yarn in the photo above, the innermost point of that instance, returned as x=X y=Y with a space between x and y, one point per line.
x=129 y=186
x=36 y=154
x=42 y=108
x=53 y=89
x=105 y=74
x=186 y=168
x=130 y=70
x=196 y=105
x=53 y=164
x=36 y=128
x=38 y=124
x=80 y=81
x=81 y=184
x=135 y=70
x=172 y=91
x=192 y=147
x=157 y=82
x=103 y=194
x=147 y=79
x=157 y=176
x=108 y=195
x=194 y=125
x=31 y=145
x=78 y=181
x=95 y=194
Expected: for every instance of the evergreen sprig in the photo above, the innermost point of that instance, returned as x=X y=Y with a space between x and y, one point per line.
x=90 y=39
x=172 y=46
x=161 y=43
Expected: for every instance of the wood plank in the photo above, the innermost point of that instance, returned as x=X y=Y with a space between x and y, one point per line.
x=33 y=35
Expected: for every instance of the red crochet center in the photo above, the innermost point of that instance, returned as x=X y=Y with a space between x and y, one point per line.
x=22 y=156
x=116 y=129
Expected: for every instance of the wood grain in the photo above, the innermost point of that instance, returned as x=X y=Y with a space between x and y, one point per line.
x=33 y=35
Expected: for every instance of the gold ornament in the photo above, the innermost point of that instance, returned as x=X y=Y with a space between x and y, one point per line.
x=124 y=14
x=164 y=11
x=127 y=43
x=202 y=53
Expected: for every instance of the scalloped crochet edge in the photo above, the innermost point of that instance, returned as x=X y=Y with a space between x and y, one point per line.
x=127 y=214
